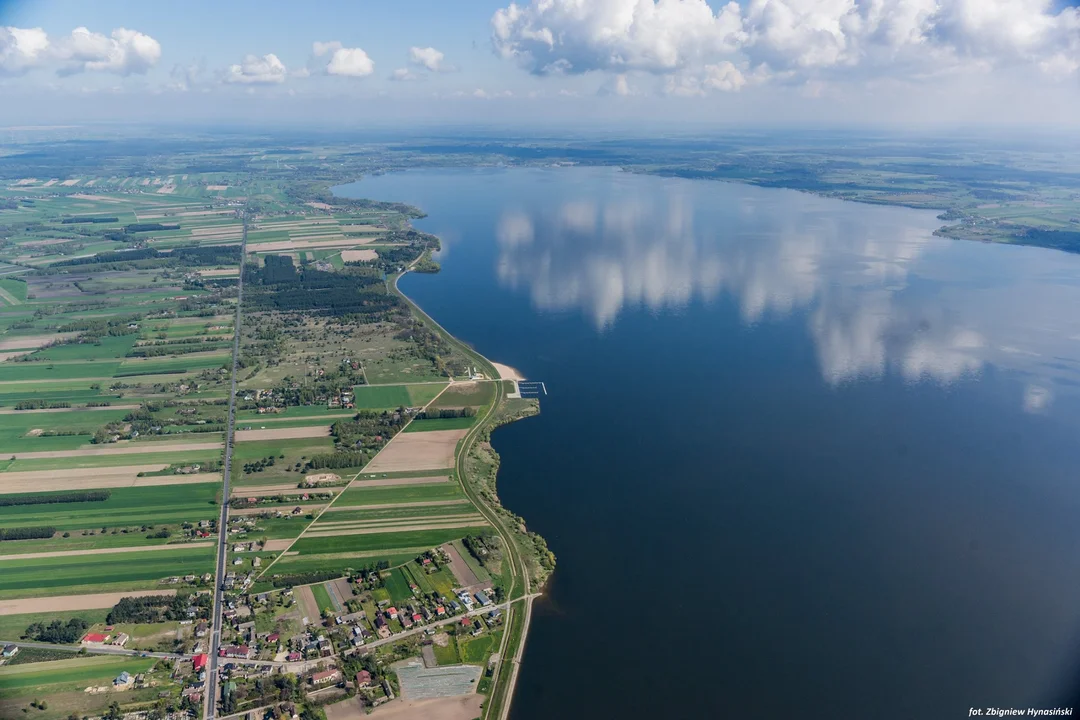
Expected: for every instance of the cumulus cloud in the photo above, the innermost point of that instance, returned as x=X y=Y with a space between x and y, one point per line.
x=345 y=62
x=429 y=58
x=404 y=75
x=22 y=49
x=123 y=51
x=256 y=70
x=697 y=49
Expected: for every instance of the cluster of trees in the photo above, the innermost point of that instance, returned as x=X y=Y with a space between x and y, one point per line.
x=433 y=347
x=357 y=292
x=152 y=608
x=485 y=547
x=340 y=459
x=149 y=227
x=72 y=496
x=26 y=533
x=368 y=429
x=88 y=219
x=151 y=258
x=445 y=413
x=57 y=631
x=257 y=466
x=40 y=405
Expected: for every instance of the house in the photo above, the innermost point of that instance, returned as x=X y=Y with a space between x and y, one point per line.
x=406 y=621
x=95 y=639
x=235 y=651
x=199 y=662
x=123 y=679
x=272 y=638
x=201 y=629
x=326 y=676
x=120 y=640
x=392 y=613
x=482 y=598
x=10 y=651
x=440 y=610
x=417 y=617
x=363 y=679
x=295 y=657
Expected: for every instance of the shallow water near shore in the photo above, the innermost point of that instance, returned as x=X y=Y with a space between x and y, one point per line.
x=800 y=458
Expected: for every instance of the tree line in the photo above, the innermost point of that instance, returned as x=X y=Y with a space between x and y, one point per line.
x=73 y=496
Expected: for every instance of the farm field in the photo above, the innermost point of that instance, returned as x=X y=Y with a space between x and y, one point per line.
x=41 y=577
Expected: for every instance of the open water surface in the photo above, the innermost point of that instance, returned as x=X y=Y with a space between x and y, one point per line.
x=800 y=458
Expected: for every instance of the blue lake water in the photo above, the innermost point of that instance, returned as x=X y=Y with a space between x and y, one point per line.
x=800 y=458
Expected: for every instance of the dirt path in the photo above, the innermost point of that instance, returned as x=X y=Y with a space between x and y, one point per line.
x=310 y=431
x=137 y=449
x=105 y=551
x=64 y=603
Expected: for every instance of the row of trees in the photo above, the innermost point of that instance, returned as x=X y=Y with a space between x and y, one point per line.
x=27 y=533
x=72 y=496
x=57 y=631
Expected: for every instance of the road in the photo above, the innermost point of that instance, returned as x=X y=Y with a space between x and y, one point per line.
x=223 y=522
x=493 y=708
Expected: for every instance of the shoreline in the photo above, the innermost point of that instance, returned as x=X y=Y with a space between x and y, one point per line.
x=493 y=708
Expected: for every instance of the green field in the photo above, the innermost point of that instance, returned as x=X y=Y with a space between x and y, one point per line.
x=398 y=586
x=407 y=511
x=322 y=598
x=74 y=574
x=125 y=507
x=441 y=424
x=466 y=395
x=341 y=562
x=61 y=675
x=378 y=541
x=383 y=495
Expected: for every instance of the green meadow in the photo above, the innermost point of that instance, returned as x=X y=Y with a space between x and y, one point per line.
x=125 y=507
x=379 y=541
x=37 y=577
x=384 y=495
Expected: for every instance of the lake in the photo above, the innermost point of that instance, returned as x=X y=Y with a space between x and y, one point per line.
x=800 y=458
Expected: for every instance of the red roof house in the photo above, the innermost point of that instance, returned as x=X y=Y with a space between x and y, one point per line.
x=363 y=679
x=199 y=662
x=96 y=638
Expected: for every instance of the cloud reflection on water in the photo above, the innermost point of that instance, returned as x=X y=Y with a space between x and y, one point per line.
x=880 y=292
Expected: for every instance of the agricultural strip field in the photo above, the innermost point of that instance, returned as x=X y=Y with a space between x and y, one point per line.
x=426 y=425
x=58 y=576
x=395 y=494
x=378 y=541
x=106 y=477
x=72 y=603
x=283 y=433
x=417 y=451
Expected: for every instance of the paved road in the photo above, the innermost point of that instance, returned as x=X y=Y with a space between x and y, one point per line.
x=223 y=521
x=104 y=650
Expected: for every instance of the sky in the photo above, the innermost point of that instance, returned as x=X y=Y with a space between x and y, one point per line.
x=582 y=63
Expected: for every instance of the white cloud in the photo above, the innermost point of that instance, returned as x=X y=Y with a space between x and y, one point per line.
x=185 y=77
x=404 y=75
x=21 y=49
x=255 y=70
x=124 y=52
x=697 y=49
x=429 y=58
x=345 y=62
x=570 y=36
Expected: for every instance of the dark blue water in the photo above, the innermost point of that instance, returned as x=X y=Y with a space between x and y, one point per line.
x=800 y=457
